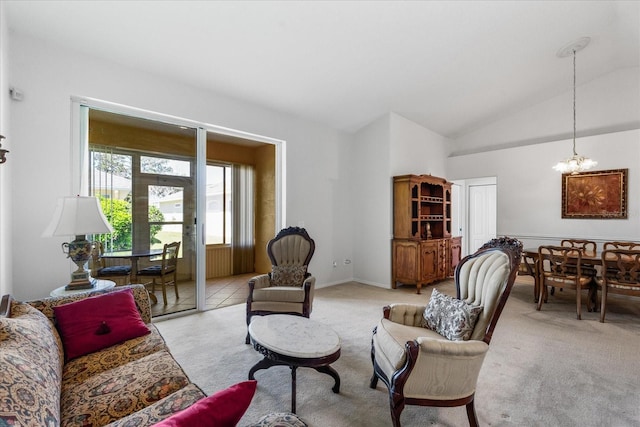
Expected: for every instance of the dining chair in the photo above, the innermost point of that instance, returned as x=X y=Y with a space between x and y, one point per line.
x=120 y=274
x=620 y=275
x=561 y=267
x=166 y=272
x=631 y=246
x=587 y=248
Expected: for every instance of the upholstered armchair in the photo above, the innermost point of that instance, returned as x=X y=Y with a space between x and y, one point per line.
x=431 y=355
x=289 y=287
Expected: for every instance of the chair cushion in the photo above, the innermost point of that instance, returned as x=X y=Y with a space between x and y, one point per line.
x=450 y=317
x=153 y=270
x=98 y=322
x=279 y=294
x=288 y=275
x=115 y=270
x=224 y=408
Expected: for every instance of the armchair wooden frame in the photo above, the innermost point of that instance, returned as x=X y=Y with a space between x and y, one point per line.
x=396 y=382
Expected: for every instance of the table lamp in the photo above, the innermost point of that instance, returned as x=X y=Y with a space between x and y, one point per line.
x=78 y=216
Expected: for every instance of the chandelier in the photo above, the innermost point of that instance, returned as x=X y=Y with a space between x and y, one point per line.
x=575 y=163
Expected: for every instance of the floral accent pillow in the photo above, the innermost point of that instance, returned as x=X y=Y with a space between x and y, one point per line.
x=452 y=318
x=288 y=275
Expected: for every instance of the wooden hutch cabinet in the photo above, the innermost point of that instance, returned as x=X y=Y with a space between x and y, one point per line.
x=423 y=250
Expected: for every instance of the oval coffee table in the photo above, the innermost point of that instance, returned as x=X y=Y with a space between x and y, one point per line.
x=294 y=341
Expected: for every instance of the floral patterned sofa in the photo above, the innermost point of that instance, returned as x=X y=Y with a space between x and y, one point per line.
x=133 y=383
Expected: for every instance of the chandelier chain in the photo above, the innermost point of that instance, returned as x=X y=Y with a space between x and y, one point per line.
x=576 y=163
x=574 y=103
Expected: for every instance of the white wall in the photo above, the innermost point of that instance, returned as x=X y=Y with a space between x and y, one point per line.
x=371 y=197
x=41 y=151
x=530 y=191
x=6 y=255
x=390 y=146
x=416 y=149
x=608 y=104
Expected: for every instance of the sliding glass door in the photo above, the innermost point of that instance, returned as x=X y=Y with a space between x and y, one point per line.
x=144 y=173
x=161 y=179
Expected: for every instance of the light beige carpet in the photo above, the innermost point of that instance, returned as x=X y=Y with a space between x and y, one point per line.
x=544 y=368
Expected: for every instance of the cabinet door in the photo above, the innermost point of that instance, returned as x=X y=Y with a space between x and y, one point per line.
x=405 y=262
x=430 y=261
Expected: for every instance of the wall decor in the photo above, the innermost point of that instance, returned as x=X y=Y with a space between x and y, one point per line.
x=597 y=194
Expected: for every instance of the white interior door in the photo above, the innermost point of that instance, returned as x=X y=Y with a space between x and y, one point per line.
x=482 y=215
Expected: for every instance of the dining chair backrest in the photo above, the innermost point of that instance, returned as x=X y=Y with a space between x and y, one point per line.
x=559 y=261
x=120 y=274
x=170 y=257
x=587 y=247
x=632 y=246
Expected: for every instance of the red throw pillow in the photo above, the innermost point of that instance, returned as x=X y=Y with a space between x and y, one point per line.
x=221 y=409
x=94 y=323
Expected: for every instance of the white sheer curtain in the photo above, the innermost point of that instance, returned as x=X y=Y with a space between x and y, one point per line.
x=243 y=225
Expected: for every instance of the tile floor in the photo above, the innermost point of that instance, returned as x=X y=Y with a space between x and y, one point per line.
x=220 y=292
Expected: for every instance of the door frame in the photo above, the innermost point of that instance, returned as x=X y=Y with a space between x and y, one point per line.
x=80 y=161
x=466 y=210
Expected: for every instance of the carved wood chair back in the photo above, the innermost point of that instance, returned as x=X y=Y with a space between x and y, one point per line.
x=620 y=275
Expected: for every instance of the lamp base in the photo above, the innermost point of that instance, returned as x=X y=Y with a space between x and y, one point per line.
x=79 y=280
x=74 y=286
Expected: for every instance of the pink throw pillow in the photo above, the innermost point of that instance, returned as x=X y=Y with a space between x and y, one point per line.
x=221 y=409
x=94 y=323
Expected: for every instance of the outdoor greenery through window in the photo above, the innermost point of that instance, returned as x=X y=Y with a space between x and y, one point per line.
x=114 y=182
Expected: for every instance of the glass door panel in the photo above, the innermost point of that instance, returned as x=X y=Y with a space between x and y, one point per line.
x=144 y=173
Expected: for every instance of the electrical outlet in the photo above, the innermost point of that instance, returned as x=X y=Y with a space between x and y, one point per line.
x=335 y=264
x=347 y=261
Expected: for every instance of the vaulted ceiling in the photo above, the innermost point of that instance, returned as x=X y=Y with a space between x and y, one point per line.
x=452 y=66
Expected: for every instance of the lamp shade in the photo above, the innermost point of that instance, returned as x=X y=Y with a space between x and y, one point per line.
x=77 y=216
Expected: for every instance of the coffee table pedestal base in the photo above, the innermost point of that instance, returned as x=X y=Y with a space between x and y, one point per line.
x=319 y=364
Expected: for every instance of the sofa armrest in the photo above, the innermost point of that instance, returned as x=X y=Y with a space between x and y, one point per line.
x=405 y=314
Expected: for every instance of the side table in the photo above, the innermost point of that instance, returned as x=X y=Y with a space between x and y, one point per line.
x=99 y=285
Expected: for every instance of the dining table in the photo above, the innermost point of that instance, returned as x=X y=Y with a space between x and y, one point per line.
x=133 y=257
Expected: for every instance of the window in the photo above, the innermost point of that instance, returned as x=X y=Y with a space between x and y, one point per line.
x=218 y=204
x=111 y=182
x=164 y=166
x=144 y=215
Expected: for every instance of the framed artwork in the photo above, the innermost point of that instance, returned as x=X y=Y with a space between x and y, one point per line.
x=598 y=194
